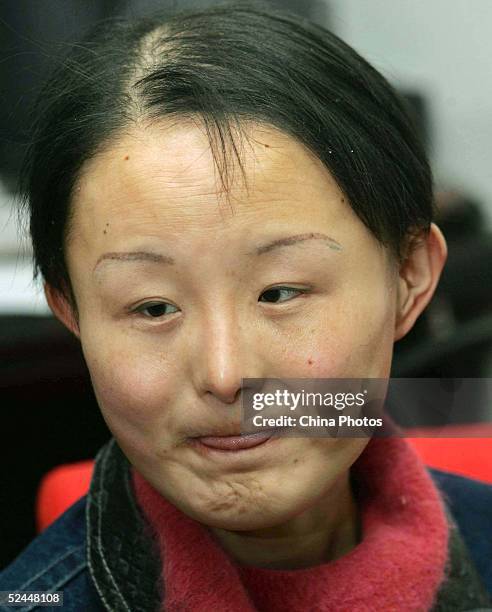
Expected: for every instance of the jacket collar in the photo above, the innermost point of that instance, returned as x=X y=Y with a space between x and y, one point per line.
x=125 y=563
x=122 y=561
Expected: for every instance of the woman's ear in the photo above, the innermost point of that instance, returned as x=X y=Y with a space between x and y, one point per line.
x=61 y=308
x=418 y=277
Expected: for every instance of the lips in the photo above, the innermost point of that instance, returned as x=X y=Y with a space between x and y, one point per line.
x=233 y=443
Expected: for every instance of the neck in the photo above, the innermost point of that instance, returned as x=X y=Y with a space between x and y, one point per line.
x=324 y=532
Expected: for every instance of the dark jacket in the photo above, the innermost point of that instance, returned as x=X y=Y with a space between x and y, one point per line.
x=100 y=553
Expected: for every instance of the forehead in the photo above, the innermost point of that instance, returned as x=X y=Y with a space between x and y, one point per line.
x=163 y=178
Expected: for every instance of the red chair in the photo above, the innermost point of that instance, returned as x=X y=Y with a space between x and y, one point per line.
x=59 y=489
x=462 y=449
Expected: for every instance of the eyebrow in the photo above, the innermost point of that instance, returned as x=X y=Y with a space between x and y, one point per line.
x=265 y=248
x=136 y=256
x=331 y=242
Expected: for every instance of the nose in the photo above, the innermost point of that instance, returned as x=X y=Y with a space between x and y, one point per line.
x=224 y=356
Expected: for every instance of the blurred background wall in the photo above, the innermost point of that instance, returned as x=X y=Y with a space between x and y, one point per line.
x=443 y=50
x=436 y=53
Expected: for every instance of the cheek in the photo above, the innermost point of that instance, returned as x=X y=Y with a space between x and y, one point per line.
x=132 y=389
x=357 y=343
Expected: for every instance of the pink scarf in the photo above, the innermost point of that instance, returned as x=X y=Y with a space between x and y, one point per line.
x=398 y=565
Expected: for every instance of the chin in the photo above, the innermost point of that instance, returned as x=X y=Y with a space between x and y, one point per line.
x=241 y=514
x=251 y=520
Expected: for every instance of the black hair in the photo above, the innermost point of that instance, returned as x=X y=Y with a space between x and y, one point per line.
x=225 y=65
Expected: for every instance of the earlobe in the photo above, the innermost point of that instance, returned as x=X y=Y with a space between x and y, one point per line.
x=418 y=278
x=61 y=308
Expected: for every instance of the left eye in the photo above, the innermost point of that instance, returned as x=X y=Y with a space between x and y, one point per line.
x=274 y=294
x=156 y=309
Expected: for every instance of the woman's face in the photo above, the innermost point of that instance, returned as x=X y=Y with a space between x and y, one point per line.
x=181 y=293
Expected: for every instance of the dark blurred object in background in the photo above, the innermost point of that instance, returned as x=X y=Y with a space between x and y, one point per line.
x=31 y=35
x=453 y=336
x=460 y=217
x=49 y=416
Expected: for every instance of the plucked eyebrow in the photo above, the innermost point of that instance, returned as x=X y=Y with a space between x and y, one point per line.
x=289 y=240
x=264 y=248
x=136 y=256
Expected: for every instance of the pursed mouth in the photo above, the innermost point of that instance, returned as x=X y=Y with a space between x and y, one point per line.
x=235 y=442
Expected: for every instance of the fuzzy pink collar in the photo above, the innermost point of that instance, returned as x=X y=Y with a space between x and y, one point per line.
x=398 y=565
